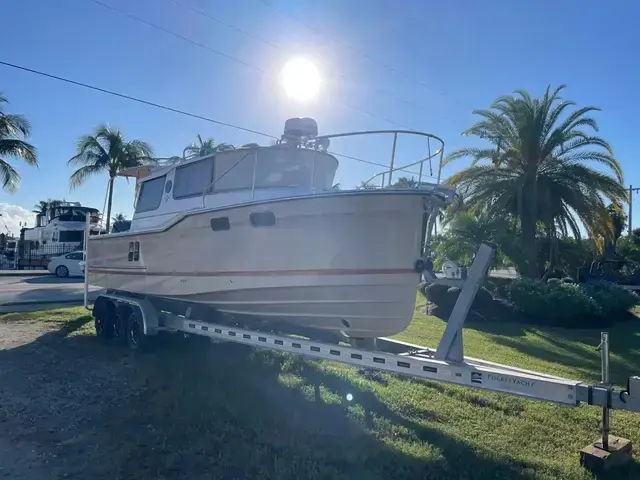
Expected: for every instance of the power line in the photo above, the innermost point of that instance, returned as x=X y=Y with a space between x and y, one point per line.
x=134 y=99
x=277 y=47
x=169 y=109
x=350 y=47
x=226 y=24
x=233 y=58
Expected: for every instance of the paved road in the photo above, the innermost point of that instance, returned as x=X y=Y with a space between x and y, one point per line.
x=41 y=288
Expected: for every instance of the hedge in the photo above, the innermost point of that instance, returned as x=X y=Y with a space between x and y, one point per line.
x=570 y=305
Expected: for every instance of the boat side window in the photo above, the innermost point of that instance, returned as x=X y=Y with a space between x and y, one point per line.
x=134 y=251
x=262 y=219
x=191 y=180
x=220 y=224
x=71 y=235
x=150 y=194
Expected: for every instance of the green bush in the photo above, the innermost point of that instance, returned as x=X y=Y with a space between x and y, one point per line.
x=553 y=303
x=441 y=296
x=445 y=297
x=611 y=298
x=570 y=305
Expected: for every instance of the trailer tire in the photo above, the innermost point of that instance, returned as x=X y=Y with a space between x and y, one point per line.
x=104 y=312
x=136 y=338
x=120 y=324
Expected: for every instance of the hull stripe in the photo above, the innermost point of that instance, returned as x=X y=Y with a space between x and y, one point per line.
x=257 y=273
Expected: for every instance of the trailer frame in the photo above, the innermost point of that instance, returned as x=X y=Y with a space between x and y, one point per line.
x=141 y=320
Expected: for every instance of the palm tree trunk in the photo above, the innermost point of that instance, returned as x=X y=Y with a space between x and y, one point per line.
x=109 y=200
x=529 y=221
x=552 y=253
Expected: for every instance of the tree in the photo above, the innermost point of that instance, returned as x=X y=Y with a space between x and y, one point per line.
x=201 y=148
x=107 y=151
x=613 y=229
x=466 y=231
x=366 y=186
x=14 y=130
x=538 y=168
x=120 y=223
x=43 y=206
x=404 y=182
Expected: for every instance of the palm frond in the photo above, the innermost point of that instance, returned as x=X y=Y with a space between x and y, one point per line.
x=19 y=149
x=81 y=174
x=9 y=177
x=12 y=125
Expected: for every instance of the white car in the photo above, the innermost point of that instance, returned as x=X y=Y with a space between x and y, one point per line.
x=67 y=265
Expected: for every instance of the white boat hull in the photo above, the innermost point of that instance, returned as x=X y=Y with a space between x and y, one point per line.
x=336 y=262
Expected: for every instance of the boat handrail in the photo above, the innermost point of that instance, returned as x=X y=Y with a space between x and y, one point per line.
x=321 y=143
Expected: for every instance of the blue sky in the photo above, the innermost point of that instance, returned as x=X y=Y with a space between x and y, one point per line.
x=447 y=59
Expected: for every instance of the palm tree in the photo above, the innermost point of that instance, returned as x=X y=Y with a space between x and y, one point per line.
x=201 y=148
x=538 y=170
x=613 y=229
x=405 y=182
x=107 y=151
x=14 y=129
x=120 y=223
x=43 y=206
x=366 y=186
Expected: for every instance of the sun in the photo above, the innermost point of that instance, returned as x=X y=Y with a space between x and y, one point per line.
x=300 y=79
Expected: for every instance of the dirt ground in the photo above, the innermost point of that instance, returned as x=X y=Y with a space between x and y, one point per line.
x=73 y=408
x=53 y=398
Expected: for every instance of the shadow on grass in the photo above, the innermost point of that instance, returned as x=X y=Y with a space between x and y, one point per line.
x=578 y=348
x=499 y=319
x=189 y=409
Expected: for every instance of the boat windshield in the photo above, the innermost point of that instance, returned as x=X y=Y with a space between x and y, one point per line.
x=273 y=167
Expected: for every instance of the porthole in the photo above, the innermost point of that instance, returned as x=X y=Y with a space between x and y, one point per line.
x=168 y=186
x=262 y=219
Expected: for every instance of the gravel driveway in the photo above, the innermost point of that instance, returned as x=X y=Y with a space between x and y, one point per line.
x=73 y=408
x=55 y=393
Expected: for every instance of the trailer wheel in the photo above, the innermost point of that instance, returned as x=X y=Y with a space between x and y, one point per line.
x=104 y=317
x=120 y=324
x=136 y=338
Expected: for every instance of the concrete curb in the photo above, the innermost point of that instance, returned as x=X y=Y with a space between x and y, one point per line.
x=24 y=273
x=41 y=302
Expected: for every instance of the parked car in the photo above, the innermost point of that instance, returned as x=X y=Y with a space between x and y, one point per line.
x=67 y=265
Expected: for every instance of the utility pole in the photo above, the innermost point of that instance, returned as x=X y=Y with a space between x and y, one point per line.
x=631 y=192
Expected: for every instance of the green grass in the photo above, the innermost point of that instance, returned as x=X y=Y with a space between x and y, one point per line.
x=70 y=321
x=248 y=414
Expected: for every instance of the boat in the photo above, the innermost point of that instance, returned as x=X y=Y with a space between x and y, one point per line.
x=58 y=231
x=261 y=236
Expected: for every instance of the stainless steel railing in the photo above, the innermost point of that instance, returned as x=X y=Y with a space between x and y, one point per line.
x=321 y=144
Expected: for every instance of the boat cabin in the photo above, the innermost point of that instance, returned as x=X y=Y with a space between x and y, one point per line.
x=227 y=178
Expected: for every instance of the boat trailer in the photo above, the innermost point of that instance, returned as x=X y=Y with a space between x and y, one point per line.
x=136 y=321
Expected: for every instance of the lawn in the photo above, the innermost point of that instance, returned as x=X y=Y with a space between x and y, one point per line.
x=242 y=414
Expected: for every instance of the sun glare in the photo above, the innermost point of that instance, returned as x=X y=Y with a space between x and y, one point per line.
x=300 y=79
